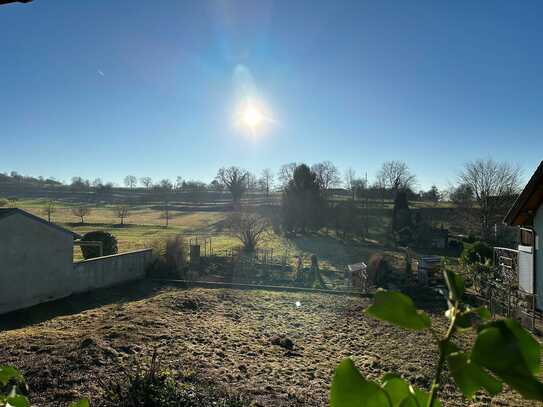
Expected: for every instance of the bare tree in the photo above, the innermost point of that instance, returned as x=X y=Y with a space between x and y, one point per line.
x=147 y=182
x=130 y=181
x=286 y=173
x=165 y=184
x=494 y=186
x=235 y=180
x=251 y=181
x=81 y=211
x=396 y=176
x=122 y=212
x=463 y=215
x=179 y=183
x=266 y=180
x=327 y=175
x=49 y=209
x=359 y=187
x=248 y=226
x=380 y=185
x=97 y=183
x=350 y=178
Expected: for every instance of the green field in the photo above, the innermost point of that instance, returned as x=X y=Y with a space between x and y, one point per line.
x=146 y=224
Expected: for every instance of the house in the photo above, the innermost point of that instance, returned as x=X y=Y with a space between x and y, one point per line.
x=36 y=262
x=36 y=258
x=527 y=213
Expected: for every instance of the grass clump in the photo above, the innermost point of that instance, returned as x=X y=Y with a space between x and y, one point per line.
x=154 y=386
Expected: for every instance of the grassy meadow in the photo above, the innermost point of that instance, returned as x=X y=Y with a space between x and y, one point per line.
x=146 y=223
x=204 y=217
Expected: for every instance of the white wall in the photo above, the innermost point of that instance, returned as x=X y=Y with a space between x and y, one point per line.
x=36 y=265
x=35 y=262
x=109 y=270
x=538 y=226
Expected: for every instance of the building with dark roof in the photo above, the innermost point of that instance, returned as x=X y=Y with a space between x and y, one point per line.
x=527 y=213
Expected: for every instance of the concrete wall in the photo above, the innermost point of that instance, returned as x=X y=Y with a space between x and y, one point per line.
x=35 y=262
x=36 y=265
x=109 y=270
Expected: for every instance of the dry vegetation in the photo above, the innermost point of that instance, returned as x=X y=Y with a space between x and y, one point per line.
x=255 y=343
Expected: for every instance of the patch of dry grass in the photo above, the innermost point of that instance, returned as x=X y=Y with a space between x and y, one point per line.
x=231 y=337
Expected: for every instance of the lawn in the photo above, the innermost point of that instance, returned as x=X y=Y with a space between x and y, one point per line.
x=235 y=339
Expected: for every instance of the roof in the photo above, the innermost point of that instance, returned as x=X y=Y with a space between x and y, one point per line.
x=529 y=200
x=6 y=212
x=14 y=1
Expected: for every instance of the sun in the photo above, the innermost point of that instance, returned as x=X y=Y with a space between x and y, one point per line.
x=252 y=117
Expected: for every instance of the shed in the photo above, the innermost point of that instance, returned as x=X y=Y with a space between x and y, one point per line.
x=36 y=259
x=527 y=213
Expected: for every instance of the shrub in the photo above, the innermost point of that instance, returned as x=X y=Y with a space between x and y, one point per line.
x=478 y=252
x=456 y=245
x=4 y=202
x=378 y=270
x=248 y=227
x=169 y=255
x=109 y=244
x=471 y=238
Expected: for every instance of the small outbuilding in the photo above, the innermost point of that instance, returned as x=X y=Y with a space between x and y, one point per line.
x=36 y=263
x=527 y=213
x=36 y=259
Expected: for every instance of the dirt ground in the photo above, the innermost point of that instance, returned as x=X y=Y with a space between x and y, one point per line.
x=234 y=338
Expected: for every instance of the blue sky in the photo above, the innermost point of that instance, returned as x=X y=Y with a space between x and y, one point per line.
x=109 y=88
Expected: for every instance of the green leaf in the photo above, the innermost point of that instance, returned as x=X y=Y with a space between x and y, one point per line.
x=483 y=312
x=463 y=321
x=81 y=403
x=410 y=401
x=423 y=398
x=350 y=389
x=447 y=347
x=396 y=388
x=17 y=401
x=398 y=309
x=510 y=352
x=8 y=373
x=455 y=284
x=470 y=377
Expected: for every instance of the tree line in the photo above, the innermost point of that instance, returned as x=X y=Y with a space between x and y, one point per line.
x=484 y=190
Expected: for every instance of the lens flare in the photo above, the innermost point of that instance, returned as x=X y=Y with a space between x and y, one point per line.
x=252 y=117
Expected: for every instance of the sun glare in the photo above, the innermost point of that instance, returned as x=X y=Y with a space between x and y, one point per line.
x=252 y=117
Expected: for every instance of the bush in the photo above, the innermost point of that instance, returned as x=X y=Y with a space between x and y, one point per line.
x=456 y=245
x=109 y=244
x=248 y=227
x=169 y=256
x=471 y=238
x=4 y=202
x=378 y=270
x=478 y=252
